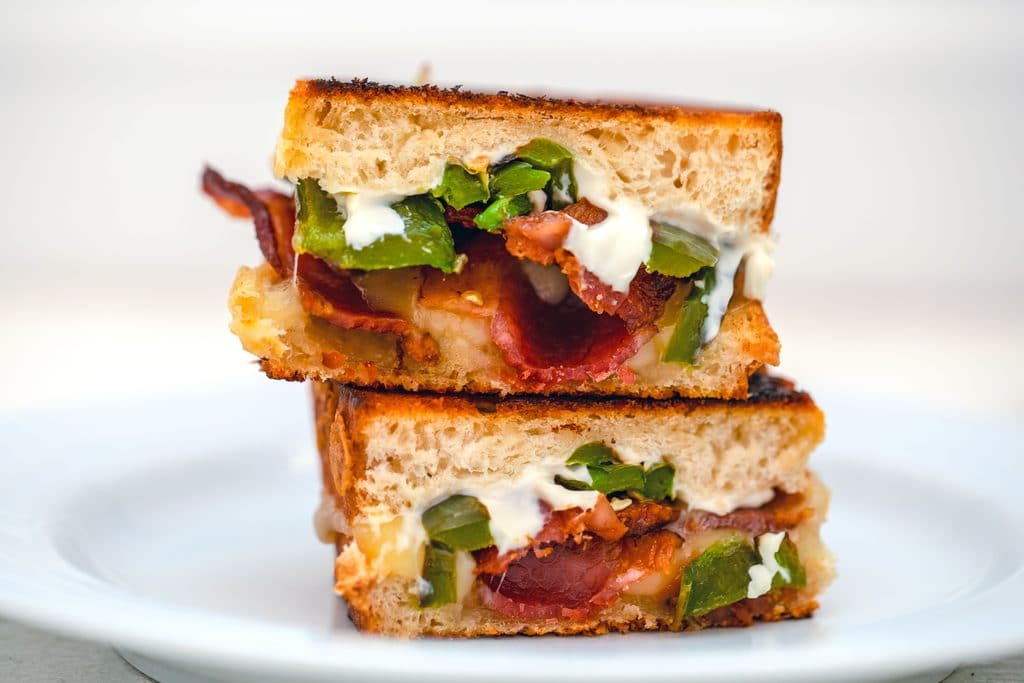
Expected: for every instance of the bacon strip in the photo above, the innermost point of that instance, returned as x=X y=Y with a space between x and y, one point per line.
x=545 y=344
x=272 y=213
x=577 y=579
x=784 y=511
x=324 y=292
x=539 y=237
x=562 y=526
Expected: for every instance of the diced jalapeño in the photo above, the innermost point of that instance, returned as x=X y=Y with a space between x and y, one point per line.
x=518 y=178
x=439 y=574
x=687 y=337
x=678 y=253
x=718 y=577
x=500 y=210
x=617 y=478
x=557 y=161
x=789 y=559
x=460 y=523
x=659 y=482
x=593 y=453
x=320 y=231
x=459 y=187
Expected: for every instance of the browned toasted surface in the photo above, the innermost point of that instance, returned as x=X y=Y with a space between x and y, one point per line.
x=764 y=391
x=778 y=605
x=364 y=89
x=310 y=103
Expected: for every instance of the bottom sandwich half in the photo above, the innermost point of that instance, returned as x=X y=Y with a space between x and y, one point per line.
x=457 y=515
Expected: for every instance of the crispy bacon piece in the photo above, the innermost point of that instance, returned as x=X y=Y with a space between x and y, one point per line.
x=272 y=213
x=562 y=526
x=562 y=343
x=576 y=579
x=545 y=344
x=463 y=216
x=331 y=295
x=324 y=292
x=539 y=237
x=784 y=511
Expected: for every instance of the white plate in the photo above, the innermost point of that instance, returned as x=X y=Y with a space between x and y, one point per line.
x=181 y=529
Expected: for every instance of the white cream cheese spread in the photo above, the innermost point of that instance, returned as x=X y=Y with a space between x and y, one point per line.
x=369 y=217
x=761 y=575
x=514 y=506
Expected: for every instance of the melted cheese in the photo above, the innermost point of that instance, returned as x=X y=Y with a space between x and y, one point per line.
x=717 y=299
x=761 y=575
x=615 y=248
x=548 y=282
x=514 y=506
x=369 y=217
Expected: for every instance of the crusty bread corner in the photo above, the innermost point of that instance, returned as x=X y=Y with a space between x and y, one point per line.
x=388 y=451
x=268 y=318
x=675 y=160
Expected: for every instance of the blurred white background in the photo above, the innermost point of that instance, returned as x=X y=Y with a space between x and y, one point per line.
x=898 y=265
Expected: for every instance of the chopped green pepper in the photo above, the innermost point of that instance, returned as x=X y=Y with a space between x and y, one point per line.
x=617 y=478
x=500 y=210
x=718 y=577
x=687 y=337
x=516 y=178
x=320 y=230
x=460 y=523
x=608 y=475
x=679 y=253
x=459 y=187
x=659 y=482
x=556 y=160
x=439 y=575
x=593 y=453
x=789 y=559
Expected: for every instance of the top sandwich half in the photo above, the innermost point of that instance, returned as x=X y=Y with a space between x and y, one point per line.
x=455 y=241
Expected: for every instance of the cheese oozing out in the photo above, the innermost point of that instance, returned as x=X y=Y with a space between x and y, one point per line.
x=369 y=217
x=514 y=507
x=761 y=575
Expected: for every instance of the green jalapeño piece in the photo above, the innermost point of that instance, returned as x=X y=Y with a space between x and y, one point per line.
x=518 y=178
x=460 y=523
x=610 y=476
x=320 y=231
x=789 y=559
x=556 y=160
x=659 y=482
x=439 y=575
x=500 y=210
x=718 y=577
x=593 y=453
x=459 y=187
x=678 y=253
x=687 y=338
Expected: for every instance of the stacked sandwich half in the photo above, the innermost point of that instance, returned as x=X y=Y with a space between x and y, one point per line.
x=537 y=348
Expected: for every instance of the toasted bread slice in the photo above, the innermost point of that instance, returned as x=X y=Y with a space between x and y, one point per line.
x=675 y=160
x=268 y=317
x=387 y=456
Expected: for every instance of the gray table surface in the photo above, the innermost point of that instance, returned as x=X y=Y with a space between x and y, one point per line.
x=28 y=655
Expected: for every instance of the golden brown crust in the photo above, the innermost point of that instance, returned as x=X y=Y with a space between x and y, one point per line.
x=778 y=605
x=361 y=89
x=764 y=390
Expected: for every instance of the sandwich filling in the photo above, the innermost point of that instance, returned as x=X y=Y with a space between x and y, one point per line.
x=568 y=542
x=572 y=281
